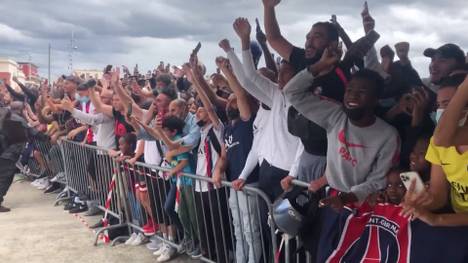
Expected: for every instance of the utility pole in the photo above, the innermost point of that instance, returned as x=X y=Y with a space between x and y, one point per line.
x=48 y=73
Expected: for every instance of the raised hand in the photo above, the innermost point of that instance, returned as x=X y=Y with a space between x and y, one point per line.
x=223 y=63
x=367 y=20
x=67 y=104
x=225 y=45
x=242 y=27
x=271 y=3
x=115 y=77
x=330 y=58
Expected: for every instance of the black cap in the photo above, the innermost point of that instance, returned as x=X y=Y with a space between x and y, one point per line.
x=87 y=85
x=447 y=51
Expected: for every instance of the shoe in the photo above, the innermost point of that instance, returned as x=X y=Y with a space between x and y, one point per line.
x=78 y=209
x=130 y=239
x=155 y=243
x=195 y=253
x=139 y=240
x=70 y=206
x=53 y=187
x=161 y=250
x=148 y=229
x=185 y=246
x=167 y=254
x=37 y=182
x=59 y=178
x=43 y=185
x=97 y=225
x=4 y=209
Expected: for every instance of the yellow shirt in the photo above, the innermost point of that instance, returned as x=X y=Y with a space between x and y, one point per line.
x=455 y=167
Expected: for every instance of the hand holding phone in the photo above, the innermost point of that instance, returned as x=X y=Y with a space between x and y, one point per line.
x=408 y=177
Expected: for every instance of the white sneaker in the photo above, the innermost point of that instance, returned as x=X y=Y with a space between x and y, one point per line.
x=131 y=239
x=43 y=185
x=161 y=250
x=35 y=183
x=140 y=239
x=155 y=243
x=167 y=255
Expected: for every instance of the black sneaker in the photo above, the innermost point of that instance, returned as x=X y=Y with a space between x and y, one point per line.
x=4 y=209
x=97 y=225
x=78 y=209
x=70 y=205
x=52 y=188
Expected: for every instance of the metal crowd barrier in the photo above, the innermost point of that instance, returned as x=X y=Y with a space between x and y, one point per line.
x=39 y=159
x=224 y=224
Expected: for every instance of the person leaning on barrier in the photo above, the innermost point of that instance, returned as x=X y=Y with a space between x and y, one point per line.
x=210 y=203
x=238 y=140
x=14 y=133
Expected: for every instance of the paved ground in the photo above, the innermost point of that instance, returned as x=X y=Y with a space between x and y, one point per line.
x=36 y=231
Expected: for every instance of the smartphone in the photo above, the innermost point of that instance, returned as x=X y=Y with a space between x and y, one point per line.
x=409 y=177
x=129 y=110
x=333 y=19
x=197 y=48
x=259 y=29
x=1 y=82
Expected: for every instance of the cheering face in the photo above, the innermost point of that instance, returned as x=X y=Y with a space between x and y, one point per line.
x=177 y=111
x=395 y=189
x=202 y=114
x=69 y=86
x=162 y=102
x=117 y=103
x=316 y=41
x=124 y=147
x=441 y=67
x=359 y=98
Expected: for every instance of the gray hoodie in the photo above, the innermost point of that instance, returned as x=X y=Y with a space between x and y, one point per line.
x=358 y=158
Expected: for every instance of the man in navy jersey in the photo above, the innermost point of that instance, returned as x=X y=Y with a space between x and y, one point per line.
x=238 y=139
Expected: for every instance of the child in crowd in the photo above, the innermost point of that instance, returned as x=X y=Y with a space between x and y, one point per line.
x=179 y=204
x=395 y=190
x=418 y=162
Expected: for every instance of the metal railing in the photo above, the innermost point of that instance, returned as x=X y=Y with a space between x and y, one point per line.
x=185 y=211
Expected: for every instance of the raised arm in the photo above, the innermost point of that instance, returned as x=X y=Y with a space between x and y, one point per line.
x=28 y=92
x=98 y=105
x=124 y=96
x=14 y=93
x=273 y=33
x=320 y=111
x=243 y=29
x=243 y=101
x=262 y=40
x=448 y=132
x=198 y=79
x=238 y=70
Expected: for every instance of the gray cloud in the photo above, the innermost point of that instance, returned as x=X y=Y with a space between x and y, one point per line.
x=145 y=32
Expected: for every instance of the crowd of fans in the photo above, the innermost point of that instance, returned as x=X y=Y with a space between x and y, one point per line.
x=347 y=123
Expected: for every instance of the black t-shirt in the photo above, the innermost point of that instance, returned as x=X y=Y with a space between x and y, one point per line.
x=121 y=126
x=238 y=139
x=331 y=85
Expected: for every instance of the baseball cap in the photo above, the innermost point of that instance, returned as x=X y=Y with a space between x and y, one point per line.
x=447 y=51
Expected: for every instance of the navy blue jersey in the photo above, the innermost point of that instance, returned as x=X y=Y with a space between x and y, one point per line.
x=238 y=139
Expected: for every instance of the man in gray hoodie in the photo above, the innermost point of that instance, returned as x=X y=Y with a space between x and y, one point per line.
x=361 y=146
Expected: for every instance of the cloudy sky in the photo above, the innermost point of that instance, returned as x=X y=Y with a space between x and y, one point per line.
x=147 y=31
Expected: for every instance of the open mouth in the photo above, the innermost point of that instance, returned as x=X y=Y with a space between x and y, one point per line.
x=352 y=105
